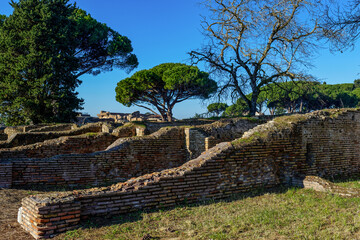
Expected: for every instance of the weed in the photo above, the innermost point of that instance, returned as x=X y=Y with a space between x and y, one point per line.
x=91 y=134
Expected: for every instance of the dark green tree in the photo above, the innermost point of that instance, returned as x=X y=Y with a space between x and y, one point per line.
x=294 y=96
x=357 y=83
x=217 y=108
x=338 y=95
x=240 y=108
x=163 y=86
x=45 y=46
x=305 y=96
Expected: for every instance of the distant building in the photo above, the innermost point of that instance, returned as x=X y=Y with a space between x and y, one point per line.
x=128 y=117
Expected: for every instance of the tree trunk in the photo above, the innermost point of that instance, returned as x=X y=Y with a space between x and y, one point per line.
x=169 y=115
x=163 y=117
x=253 y=106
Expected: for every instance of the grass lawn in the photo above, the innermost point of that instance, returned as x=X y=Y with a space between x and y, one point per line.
x=284 y=214
x=351 y=182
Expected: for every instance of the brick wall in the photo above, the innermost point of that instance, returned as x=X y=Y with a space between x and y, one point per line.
x=55 y=127
x=127 y=130
x=21 y=129
x=3 y=137
x=323 y=143
x=21 y=139
x=86 y=143
x=125 y=158
x=5 y=174
x=152 y=127
x=195 y=142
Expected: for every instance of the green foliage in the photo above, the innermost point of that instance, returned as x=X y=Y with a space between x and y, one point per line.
x=357 y=83
x=302 y=96
x=91 y=134
x=100 y=48
x=217 y=108
x=237 y=109
x=45 y=45
x=163 y=86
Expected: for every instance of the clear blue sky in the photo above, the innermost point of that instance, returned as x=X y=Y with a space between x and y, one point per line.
x=164 y=31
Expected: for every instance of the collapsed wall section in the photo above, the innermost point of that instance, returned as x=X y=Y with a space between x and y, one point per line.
x=271 y=154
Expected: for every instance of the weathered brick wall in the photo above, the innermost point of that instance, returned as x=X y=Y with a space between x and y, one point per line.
x=152 y=127
x=12 y=130
x=86 y=143
x=195 y=142
x=21 y=129
x=55 y=127
x=125 y=158
x=227 y=129
x=21 y=139
x=55 y=219
x=323 y=143
x=127 y=130
x=5 y=174
x=3 y=137
x=210 y=142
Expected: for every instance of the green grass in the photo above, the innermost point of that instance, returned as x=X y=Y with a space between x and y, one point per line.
x=353 y=182
x=286 y=214
x=91 y=134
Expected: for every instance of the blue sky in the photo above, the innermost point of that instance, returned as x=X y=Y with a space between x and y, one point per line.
x=164 y=31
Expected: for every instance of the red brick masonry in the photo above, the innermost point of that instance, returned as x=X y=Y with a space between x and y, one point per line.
x=282 y=151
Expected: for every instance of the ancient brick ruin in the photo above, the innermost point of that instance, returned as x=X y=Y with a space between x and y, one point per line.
x=181 y=164
x=88 y=156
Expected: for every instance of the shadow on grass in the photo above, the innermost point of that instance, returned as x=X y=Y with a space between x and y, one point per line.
x=98 y=222
x=344 y=179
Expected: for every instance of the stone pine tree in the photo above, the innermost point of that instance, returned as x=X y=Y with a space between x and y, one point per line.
x=45 y=46
x=164 y=86
x=252 y=43
x=217 y=108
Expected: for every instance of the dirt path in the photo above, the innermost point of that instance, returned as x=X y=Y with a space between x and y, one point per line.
x=10 y=201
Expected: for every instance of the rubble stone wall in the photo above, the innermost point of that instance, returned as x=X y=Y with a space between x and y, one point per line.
x=323 y=143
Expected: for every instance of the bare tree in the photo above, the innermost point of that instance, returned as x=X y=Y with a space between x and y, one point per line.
x=257 y=42
x=342 y=23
